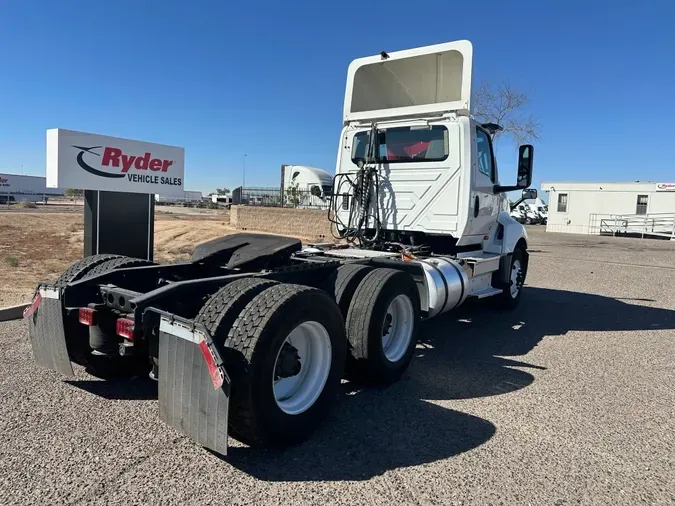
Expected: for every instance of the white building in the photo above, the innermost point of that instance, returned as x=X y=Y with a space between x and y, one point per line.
x=594 y=208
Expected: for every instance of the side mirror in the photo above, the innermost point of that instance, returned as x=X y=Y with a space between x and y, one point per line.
x=525 y=160
x=530 y=194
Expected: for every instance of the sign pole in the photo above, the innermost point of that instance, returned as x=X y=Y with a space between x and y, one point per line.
x=119 y=223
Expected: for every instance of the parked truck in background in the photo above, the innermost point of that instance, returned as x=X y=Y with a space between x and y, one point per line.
x=541 y=207
x=188 y=197
x=303 y=186
x=253 y=336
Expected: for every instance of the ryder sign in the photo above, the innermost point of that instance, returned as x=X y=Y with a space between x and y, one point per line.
x=96 y=162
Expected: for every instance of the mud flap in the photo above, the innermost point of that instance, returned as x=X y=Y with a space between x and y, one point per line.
x=193 y=385
x=47 y=332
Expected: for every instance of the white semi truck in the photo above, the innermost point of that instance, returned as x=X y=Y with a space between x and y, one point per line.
x=253 y=336
x=305 y=187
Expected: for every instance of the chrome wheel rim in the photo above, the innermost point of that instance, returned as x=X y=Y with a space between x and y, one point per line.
x=516 y=271
x=397 y=328
x=302 y=367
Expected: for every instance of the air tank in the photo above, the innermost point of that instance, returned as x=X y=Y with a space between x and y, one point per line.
x=446 y=282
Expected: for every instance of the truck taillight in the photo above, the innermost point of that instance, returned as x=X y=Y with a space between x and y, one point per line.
x=87 y=316
x=125 y=327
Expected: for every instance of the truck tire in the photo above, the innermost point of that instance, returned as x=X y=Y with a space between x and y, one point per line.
x=510 y=296
x=80 y=268
x=381 y=326
x=223 y=307
x=116 y=263
x=343 y=282
x=285 y=356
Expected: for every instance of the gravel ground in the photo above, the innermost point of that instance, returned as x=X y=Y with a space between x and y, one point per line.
x=568 y=400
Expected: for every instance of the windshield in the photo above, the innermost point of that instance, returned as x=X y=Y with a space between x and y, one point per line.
x=405 y=144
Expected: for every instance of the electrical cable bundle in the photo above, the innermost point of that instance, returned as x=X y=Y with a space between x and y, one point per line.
x=362 y=187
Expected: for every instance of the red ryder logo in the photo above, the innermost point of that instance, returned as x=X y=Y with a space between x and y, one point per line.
x=115 y=157
x=666 y=186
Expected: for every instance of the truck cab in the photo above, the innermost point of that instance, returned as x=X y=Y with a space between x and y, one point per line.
x=408 y=114
x=304 y=186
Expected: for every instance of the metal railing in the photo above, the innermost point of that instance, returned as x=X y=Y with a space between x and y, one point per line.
x=274 y=197
x=636 y=225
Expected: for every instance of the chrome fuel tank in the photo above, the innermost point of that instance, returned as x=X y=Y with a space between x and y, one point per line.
x=446 y=282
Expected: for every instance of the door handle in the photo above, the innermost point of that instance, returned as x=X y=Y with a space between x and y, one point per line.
x=476 y=204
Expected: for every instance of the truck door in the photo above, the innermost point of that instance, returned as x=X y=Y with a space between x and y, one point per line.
x=484 y=202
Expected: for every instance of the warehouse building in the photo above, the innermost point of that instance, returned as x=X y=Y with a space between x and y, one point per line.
x=639 y=208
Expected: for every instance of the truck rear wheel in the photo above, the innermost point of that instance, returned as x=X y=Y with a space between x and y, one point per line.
x=223 y=307
x=381 y=326
x=342 y=284
x=285 y=356
x=82 y=267
x=112 y=264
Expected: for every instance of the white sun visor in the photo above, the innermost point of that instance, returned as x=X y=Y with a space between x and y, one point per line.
x=415 y=81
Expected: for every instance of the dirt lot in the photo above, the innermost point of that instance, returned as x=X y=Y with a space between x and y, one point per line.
x=39 y=245
x=567 y=400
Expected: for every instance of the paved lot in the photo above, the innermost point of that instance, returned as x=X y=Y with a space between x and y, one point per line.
x=568 y=400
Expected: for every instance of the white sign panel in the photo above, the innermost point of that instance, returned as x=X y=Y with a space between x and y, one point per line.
x=96 y=162
x=665 y=187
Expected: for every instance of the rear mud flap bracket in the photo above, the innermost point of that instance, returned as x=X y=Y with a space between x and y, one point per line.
x=193 y=385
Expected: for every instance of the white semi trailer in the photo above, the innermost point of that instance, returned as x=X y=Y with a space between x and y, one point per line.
x=253 y=336
x=15 y=188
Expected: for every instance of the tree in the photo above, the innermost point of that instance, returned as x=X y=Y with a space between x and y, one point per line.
x=222 y=191
x=70 y=192
x=503 y=104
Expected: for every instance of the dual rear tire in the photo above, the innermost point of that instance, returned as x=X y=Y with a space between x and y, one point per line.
x=284 y=348
x=287 y=347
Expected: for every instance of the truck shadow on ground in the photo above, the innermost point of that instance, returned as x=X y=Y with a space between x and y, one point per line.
x=124 y=389
x=461 y=355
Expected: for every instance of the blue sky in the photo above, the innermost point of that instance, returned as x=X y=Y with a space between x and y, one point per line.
x=267 y=78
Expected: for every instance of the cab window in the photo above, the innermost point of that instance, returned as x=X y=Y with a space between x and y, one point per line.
x=405 y=144
x=484 y=153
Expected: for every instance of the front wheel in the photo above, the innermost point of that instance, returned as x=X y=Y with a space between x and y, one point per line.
x=510 y=295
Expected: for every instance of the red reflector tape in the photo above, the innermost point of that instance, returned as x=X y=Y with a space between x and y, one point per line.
x=87 y=316
x=214 y=371
x=33 y=307
x=125 y=327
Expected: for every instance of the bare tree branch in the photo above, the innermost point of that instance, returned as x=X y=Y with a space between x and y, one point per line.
x=503 y=104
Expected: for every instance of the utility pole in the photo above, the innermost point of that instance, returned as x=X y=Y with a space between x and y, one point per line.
x=243 y=185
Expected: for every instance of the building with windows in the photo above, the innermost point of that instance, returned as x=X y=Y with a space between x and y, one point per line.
x=610 y=208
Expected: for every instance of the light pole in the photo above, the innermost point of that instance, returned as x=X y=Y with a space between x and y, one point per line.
x=243 y=185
